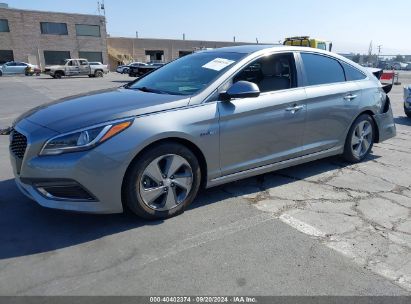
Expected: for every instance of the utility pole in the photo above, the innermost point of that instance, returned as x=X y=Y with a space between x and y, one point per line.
x=379 y=52
x=136 y=34
x=256 y=40
x=184 y=36
x=234 y=39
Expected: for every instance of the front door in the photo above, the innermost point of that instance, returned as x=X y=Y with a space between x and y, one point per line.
x=265 y=129
x=72 y=68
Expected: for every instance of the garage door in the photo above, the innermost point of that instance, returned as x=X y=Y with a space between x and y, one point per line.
x=6 y=56
x=92 y=56
x=55 y=57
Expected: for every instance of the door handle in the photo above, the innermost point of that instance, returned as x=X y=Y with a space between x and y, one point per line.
x=294 y=109
x=350 y=97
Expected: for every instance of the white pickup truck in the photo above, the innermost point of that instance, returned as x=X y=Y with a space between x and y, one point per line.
x=76 y=67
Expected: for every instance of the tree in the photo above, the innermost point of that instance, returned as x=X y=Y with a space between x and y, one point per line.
x=399 y=58
x=356 y=58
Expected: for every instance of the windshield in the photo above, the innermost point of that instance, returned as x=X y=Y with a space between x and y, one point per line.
x=187 y=75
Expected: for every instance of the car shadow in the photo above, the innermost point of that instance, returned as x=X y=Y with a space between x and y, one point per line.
x=27 y=228
x=403 y=120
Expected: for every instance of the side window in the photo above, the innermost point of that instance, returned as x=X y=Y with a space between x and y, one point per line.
x=73 y=63
x=322 y=46
x=351 y=73
x=272 y=73
x=321 y=69
x=83 y=62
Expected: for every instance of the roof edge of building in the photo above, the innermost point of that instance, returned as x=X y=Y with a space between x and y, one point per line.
x=47 y=12
x=189 y=40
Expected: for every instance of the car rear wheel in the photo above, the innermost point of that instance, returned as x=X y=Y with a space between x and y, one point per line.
x=162 y=182
x=360 y=139
x=98 y=74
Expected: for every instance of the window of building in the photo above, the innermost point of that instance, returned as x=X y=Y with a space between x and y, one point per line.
x=321 y=69
x=56 y=57
x=272 y=73
x=91 y=56
x=351 y=73
x=184 y=53
x=53 y=28
x=155 y=56
x=6 y=56
x=88 y=30
x=4 y=25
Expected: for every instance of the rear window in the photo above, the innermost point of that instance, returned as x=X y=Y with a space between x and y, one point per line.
x=321 y=69
x=351 y=73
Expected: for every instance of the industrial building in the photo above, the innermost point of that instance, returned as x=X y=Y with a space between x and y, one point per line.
x=46 y=38
x=124 y=50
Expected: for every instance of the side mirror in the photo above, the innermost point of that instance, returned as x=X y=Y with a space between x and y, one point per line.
x=241 y=89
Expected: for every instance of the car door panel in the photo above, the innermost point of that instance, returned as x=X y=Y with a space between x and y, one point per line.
x=330 y=111
x=262 y=130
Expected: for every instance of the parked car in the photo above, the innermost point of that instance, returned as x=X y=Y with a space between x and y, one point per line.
x=407 y=100
x=408 y=67
x=398 y=65
x=76 y=67
x=124 y=69
x=205 y=119
x=98 y=65
x=16 y=67
x=135 y=71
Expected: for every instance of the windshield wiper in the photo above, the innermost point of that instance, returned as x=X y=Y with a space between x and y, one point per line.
x=150 y=90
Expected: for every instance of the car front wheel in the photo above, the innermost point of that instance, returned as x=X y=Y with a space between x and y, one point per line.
x=360 y=139
x=162 y=182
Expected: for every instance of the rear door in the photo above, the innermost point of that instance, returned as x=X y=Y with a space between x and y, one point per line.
x=20 y=68
x=84 y=67
x=266 y=129
x=331 y=105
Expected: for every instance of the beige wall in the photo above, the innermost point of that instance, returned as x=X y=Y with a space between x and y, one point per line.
x=27 y=42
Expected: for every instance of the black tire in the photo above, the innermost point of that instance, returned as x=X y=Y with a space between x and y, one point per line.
x=98 y=74
x=349 y=154
x=131 y=189
x=1 y=73
x=58 y=75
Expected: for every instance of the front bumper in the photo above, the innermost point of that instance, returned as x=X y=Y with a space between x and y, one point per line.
x=93 y=170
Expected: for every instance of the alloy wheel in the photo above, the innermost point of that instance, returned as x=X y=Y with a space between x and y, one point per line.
x=166 y=182
x=362 y=139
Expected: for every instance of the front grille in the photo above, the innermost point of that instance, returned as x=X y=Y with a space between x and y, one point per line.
x=18 y=144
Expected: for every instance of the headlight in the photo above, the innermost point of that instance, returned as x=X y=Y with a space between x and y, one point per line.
x=84 y=139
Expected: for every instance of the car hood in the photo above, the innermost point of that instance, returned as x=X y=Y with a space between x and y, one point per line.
x=77 y=112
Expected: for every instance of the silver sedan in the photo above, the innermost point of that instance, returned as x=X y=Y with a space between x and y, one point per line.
x=203 y=120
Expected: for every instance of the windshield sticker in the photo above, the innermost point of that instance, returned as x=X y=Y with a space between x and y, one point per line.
x=218 y=64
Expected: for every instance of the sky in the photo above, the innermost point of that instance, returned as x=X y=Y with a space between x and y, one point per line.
x=350 y=24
